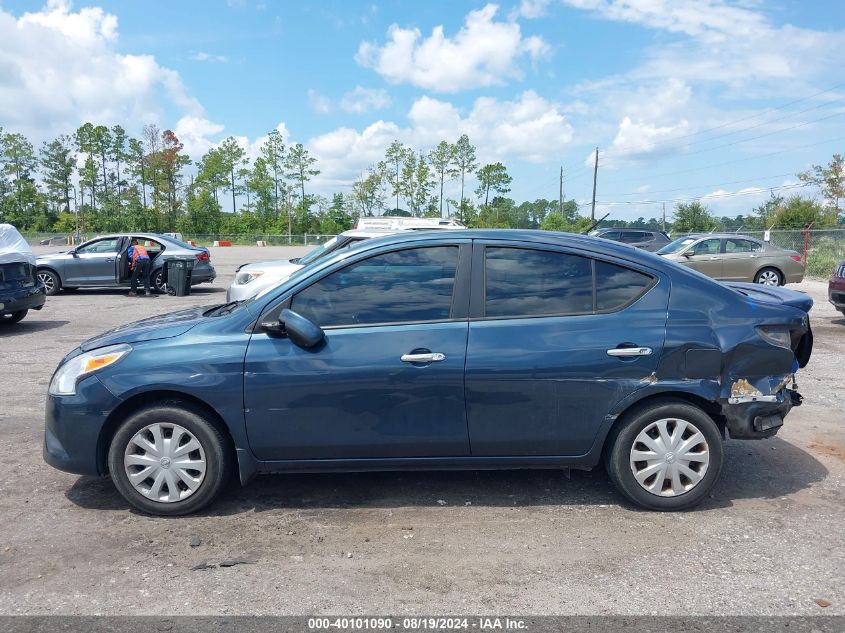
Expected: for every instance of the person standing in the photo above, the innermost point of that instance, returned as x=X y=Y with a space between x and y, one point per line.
x=139 y=263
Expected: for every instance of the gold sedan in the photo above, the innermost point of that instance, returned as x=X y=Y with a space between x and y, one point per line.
x=732 y=257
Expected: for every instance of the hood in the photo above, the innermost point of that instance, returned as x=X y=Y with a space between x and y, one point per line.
x=154 y=328
x=276 y=265
x=773 y=294
x=13 y=248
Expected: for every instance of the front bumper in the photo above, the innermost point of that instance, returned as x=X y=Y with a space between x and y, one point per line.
x=72 y=428
x=22 y=299
x=836 y=293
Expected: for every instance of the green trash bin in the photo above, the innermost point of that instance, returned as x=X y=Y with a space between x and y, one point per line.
x=179 y=275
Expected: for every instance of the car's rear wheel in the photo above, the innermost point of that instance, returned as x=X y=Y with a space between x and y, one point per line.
x=769 y=277
x=169 y=459
x=158 y=281
x=51 y=281
x=13 y=317
x=666 y=456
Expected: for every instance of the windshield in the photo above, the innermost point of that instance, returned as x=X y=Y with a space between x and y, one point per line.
x=678 y=245
x=318 y=252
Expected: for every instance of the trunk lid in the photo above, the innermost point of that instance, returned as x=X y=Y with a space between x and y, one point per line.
x=773 y=294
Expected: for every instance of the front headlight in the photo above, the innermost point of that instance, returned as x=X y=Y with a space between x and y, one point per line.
x=775 y=335
x=68 y=375
x=248 y=276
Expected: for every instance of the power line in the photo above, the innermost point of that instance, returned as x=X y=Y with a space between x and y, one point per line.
x=726 y=194
x=755 y=115
x=738 y=160
x=718 y=184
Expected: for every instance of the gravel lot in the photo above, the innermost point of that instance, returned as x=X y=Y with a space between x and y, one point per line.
x=769 y=541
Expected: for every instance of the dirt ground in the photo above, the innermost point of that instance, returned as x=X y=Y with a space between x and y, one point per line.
x=770 y=540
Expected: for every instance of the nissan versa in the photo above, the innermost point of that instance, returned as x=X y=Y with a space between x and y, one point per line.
x=449 y=350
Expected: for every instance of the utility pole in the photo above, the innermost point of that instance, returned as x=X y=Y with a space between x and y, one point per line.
x=664 y=217
x=560 y=197
x=595 y=177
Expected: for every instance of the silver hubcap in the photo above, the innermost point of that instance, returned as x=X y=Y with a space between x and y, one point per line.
x=47 y=280
x=669 y=457
x=165 y=462
x=768 y=278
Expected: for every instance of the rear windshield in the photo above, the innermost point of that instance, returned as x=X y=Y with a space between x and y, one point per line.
x=173 y=240
x=678 y=245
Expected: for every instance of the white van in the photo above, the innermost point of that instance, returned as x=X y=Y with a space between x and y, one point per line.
x=398 y=223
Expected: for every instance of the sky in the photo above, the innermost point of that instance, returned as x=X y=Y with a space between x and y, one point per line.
x=723 y=101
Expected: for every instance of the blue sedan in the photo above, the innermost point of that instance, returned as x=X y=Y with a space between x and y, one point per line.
x=449 y=350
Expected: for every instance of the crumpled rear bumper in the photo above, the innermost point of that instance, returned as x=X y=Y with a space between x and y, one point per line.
x=760 y=418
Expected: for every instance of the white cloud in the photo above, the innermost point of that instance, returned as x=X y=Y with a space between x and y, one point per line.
x=202 y=56
x=529 y=128
x=653 y=124
x=725 y=44
x=362 y=100
x=484 y=52
x=195 y=133
x=531 y=9
x=61 y=68
x=319 y=103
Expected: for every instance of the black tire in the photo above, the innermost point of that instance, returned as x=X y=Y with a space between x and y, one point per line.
x=13 y=317
x=157 y=281
x=51 y=281
x=767 y=272
x=623 y=440
x=218 y=466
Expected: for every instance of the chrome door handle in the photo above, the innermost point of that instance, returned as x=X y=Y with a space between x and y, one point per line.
x=713 y=259
x=430 y=357
x=109 y=261
x=629 y=351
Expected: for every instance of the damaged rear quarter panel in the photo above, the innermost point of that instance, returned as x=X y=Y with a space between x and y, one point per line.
x=713 y=350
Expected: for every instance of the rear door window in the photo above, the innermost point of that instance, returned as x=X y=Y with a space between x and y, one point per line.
x=617 y=286
x=524 y=282
x=521 y=282
x=632 y=237
x=737 y=245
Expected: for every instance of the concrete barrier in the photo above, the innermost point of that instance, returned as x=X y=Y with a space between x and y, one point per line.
x=222 y=243
x=261 y=243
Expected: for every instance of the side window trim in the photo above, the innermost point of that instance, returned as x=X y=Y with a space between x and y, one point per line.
x=478 y=296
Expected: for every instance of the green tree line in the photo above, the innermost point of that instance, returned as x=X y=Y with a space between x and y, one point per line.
x=100 y=179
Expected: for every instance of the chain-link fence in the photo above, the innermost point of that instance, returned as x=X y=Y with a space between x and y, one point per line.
x=308 y=239
x=824 y=248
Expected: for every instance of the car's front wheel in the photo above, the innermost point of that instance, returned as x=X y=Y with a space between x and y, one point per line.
x=666 y=456
x=169 y=459
x=51 y=281
x=13 y=317
x=769 y=277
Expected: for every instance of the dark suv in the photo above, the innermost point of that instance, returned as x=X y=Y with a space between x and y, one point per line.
x=646 y=240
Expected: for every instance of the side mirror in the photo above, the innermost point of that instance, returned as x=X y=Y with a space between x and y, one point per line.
x=72 y=252
x=687 y=254
x=300 y=330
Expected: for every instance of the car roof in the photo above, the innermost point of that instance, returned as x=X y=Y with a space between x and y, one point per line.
x=720 y=235
x=372 y=232
x=532 y=236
